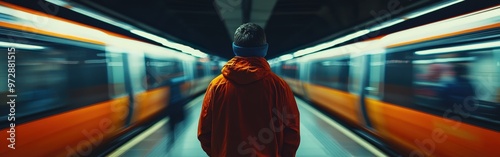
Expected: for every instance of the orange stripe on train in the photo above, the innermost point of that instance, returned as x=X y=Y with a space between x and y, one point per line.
x=74 y=132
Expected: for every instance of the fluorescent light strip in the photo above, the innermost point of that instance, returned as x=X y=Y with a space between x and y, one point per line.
x=349 y=37
x=200 y=54
x=149 y=36
x=82 y=10
x=52 y=25
x=58 y=2
x=364 y=32
x=331 y=43
x=165 y=42
x=420 y=13
x=286 y=57
x=444 y=60
x=387 y=24
x=101 y=18
x=21 y=46
x=463 y=22
x=161 y=40
x=459 y=48
x=356 y=49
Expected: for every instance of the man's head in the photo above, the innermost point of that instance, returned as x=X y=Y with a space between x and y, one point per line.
x=250 y=35
x=250 y=41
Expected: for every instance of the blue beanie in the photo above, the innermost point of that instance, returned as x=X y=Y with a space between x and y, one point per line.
x=260 y=51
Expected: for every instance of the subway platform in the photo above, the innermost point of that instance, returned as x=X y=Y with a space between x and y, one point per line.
x=320 y=137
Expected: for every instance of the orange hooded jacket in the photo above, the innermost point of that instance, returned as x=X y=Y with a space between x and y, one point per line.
x=249 y=111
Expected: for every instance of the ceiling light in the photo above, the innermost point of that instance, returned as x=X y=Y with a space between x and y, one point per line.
x=459 y=48
x=434 y=8
x=21 y=46
x=286 y=57
x=331 y=43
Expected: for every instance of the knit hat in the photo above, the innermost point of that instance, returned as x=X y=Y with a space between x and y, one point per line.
x=260 y=51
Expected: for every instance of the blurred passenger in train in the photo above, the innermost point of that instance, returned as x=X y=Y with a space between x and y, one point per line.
x=436 y=77
x=175 y=109
x=248 y=110
x=434 y=72
x=431 y=84
x=439 y=73
x=457 y=91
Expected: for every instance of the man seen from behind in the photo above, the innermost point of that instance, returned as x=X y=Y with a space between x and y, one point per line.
x=248 y=110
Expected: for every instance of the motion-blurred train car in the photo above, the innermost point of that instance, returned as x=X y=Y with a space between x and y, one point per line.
x=76 y=87
x=432 y=90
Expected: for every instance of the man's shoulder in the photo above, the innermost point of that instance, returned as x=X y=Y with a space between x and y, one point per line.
x=217 y=79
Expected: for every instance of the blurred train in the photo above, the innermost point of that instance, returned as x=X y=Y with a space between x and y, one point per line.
x=395 y=87
x=75 y=87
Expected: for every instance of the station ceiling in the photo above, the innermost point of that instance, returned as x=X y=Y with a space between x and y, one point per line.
x=290 y=25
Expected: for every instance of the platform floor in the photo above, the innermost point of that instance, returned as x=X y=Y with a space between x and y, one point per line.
x=320 y=137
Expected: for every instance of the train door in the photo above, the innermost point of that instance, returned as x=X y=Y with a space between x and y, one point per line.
x=119 y=77
x=358 y=77
x=373 y=83
x=134 y=63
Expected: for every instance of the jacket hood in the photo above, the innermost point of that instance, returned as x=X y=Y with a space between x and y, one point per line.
x=245 y=70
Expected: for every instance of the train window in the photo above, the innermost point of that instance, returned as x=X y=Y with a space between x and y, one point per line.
x=444 y=76
x=41 y=80
x=52 y=76
x=88 y=78
x=160 y=72
x=466 y=79
x=331 y=73
x=398 y=78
